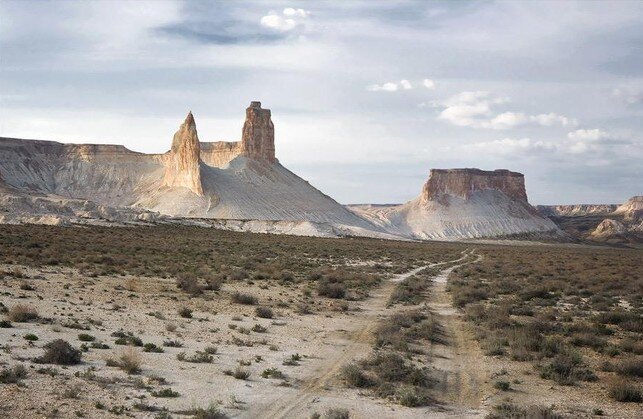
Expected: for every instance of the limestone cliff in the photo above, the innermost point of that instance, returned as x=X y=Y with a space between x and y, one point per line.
x=464 y=182
x=258 y=137
x=183 y=161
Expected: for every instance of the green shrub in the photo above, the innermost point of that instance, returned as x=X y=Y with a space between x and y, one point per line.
x=166 y=392
x=85 y=337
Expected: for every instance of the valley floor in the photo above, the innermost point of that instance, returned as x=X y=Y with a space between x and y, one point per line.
x=284 y=366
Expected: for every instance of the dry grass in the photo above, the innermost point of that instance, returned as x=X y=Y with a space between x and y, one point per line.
x=22 y=313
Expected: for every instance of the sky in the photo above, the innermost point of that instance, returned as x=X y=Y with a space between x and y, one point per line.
x=366 y=96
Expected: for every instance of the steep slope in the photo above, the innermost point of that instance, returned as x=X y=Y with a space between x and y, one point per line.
x=463 y=203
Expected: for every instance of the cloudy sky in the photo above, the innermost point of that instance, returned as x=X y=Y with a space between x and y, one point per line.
x=366 y=96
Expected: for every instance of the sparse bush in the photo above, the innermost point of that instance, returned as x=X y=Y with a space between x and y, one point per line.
x=272 y=373
x=189 y=283
x=567 y=369
x=60 y=352
x=264 y=312
x=245 y=299
x=507 y=410
x=337 y=413
x=21 y=313
x=212 y=412
x=631 y=367
x=331 y=289
x=5 y=324
x=30 y=337
x=128 y=360
x=624 y=391
x=198 y=357
x=173 y=343
x=85 y=337
x=13 y=375
x=151 y=347
x=238 y=373
x=72 y=392
x=354 y=376
x=259 y=328
x=502 y=385
x=166 y=392
x=185 y=312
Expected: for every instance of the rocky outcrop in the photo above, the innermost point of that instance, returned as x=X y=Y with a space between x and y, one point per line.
x=578 y=210
x=183 y=161
x=465 y=182
x=632 y=209
x=609 y=228
x=459 y=204
x=258 y=137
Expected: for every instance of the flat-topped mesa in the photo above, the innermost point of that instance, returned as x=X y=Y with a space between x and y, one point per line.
x=464 y=182
x=258 y=137
x=183 y=160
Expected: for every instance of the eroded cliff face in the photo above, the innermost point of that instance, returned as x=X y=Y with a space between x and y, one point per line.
x=183 y=161
x=258 y=137
x=632 y=209
x=464 y=182
x=578 y=210
x=220 y=153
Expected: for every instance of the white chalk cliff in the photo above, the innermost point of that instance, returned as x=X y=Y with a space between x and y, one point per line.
x=463 y=203
x=242 y=186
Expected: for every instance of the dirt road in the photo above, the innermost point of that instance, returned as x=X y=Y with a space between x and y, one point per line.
x=356 y=343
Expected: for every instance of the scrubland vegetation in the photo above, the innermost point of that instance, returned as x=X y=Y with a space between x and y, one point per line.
x=107 y=309
x=575 y=313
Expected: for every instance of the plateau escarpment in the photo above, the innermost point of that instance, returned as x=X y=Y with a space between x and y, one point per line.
x=464 y=203
x=463 y=183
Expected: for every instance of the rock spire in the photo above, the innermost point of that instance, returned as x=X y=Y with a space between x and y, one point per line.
x=258 y=136
x=183 y=160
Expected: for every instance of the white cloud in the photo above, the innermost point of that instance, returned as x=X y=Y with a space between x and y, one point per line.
x=511 y=146
x=551 y=119
x=592 y=143
x=428 y=83
x=587 y=134
x=289 y=11
x=468 y=109
x=474 y=109
x=288 y=20
x=406 y=85
x=385 y=87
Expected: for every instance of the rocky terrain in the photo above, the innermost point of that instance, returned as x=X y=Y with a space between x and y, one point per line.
x=463 y=203
x=578 y=210
x=610 y=223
